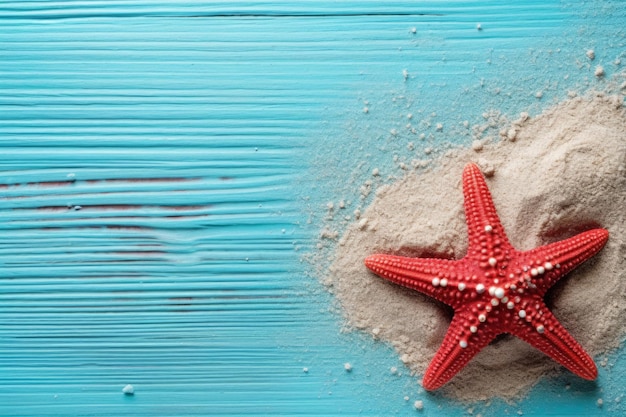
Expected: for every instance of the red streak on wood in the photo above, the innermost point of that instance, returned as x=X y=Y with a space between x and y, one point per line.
x=156 y=179
x=121 y=207
x=51 y=183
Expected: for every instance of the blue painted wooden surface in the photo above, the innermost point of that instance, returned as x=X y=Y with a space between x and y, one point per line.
x=161 y=162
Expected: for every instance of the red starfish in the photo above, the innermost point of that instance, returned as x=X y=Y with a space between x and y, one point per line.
x=495 y=288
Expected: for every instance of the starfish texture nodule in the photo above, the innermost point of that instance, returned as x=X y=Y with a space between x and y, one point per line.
x=495 y=288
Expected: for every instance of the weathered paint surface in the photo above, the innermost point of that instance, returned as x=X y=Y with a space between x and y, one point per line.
x=154 y=159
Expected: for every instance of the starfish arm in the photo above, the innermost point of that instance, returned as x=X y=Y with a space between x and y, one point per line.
x=553 y=261
x=480 y=212
x=458 y=348
x=543 y=331
x=426 y=275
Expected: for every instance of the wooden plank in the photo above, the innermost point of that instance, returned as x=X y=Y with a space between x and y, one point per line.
x=159 y=164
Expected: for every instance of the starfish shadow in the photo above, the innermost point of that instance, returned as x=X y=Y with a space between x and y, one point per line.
x=576 y=386
x=565 y=228
x=416 y=252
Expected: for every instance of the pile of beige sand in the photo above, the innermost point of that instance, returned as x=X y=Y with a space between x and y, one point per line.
x=551 y=177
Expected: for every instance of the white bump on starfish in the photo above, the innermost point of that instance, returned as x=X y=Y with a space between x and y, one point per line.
x=505 y=299
x=435 y=282
x=541 y=270
x=540 y=328
x=492 y=291
x=482 y=318
x=488 y=228
x=548 y=266
x=443 y=282
x=534 y=272
x=495 y=302
x=499 y=292
x=461 y=286
x=492 y=261
x=463 y=344
x=510 y=305
x=480 y=288
x=522 y=314
x=473 y=329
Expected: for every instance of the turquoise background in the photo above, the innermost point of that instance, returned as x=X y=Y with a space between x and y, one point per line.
x=165 y=168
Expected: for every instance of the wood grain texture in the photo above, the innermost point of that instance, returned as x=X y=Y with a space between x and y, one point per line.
x=152 y=162
x=144 y=197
